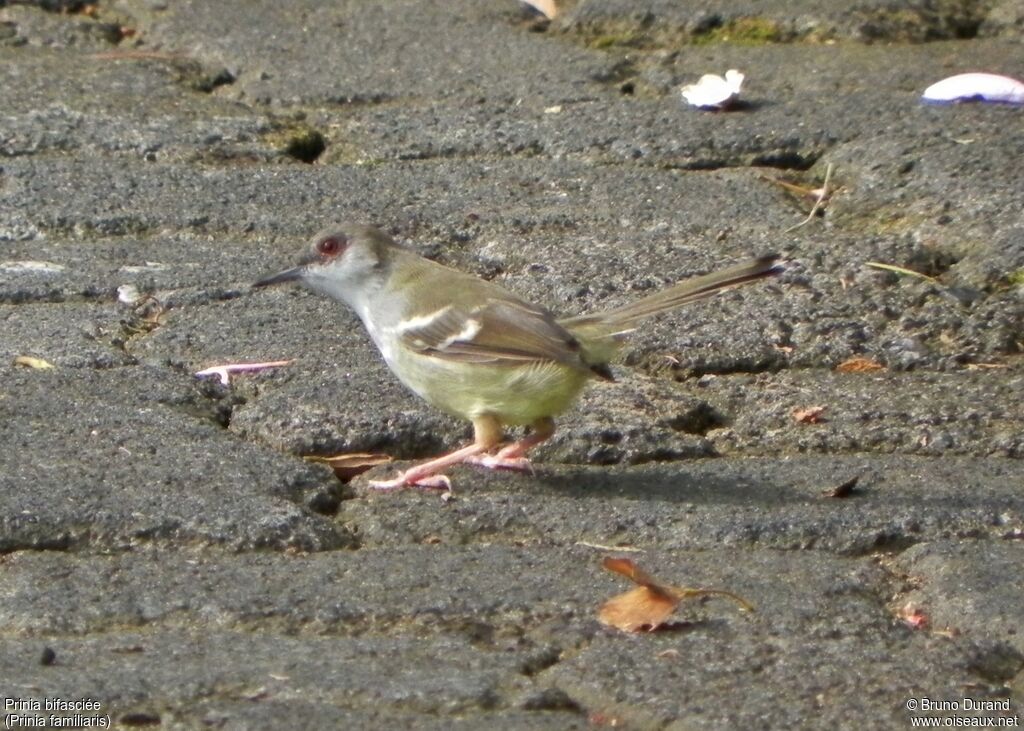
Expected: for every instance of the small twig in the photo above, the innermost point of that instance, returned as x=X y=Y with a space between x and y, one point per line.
x=900 y=270
x=800 y=190
x=223 y=372
x=137 y=56
x=687 y=593
x=822 y=196
x=600 y=547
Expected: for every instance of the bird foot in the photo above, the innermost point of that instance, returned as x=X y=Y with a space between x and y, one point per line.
x=498 y=462
x=410 y=479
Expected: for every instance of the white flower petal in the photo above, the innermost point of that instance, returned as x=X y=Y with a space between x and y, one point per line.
x=713 y=91
x=735 y=80
x=976 y=87
x=128 y=294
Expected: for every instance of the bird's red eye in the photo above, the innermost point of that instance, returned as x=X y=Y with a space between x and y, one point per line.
x=331 y=245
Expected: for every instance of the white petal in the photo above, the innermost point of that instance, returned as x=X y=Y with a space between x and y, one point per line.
x=712 y=91
x=976 y=87
x=735 y=80
x=128 y=294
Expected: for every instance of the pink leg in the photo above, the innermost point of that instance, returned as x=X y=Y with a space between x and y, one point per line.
x=487 y=435
x=513 y=456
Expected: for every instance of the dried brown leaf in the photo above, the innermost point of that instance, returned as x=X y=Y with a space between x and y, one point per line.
x=843 y=490
x=641 y=609
x=628 y=568
x=347 y=466
x=859 y=365
x=809 y=415
x=648 y=606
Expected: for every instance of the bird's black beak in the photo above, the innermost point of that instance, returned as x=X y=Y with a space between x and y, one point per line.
x=288 y=275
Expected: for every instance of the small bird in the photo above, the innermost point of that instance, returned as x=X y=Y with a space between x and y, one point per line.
x=474 y=349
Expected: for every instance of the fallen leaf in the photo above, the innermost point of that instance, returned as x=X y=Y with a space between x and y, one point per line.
x=809 y=415
x=913 y=616
x=29 y=362
x=547 y=8
x=649 y=605
x=347 y=466
x=844 y=490
x=858 y=364
x=641 y=609
x=626 y=567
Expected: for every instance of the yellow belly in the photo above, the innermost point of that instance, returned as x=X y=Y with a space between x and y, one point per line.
x=515 y=394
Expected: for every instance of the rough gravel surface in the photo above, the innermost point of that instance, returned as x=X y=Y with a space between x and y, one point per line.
x=171 y=560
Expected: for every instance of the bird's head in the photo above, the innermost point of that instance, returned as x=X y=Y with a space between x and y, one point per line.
x=342 y=261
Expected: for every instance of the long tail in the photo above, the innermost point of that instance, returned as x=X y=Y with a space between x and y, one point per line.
x=612 y=325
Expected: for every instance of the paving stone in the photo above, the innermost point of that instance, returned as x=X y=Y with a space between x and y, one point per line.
x=168 y=553
x=108 y=460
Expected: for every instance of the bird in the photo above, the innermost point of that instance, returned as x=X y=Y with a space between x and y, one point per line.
x=473 y=348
